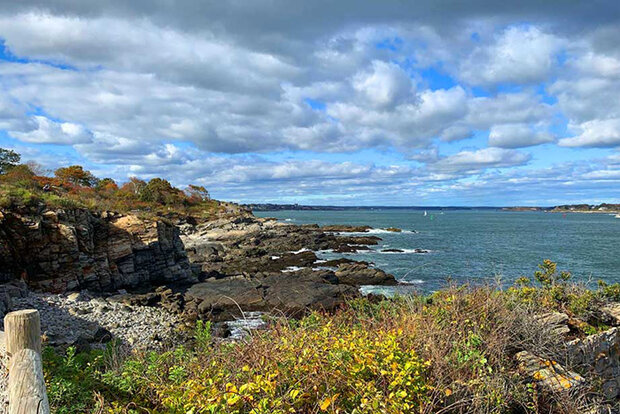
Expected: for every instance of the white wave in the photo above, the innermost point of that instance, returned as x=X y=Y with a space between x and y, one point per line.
x=291 y=269
x=305 y=249
x=374 y=231
x=241 y=327
x=275 y=257
x=320 y=261
x=289 y=219
x=405 y=251
x=411 y=282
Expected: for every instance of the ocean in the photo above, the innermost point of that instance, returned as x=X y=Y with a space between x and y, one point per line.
x=478 y=245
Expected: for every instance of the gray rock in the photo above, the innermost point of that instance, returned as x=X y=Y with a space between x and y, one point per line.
x=549 y=374
x=612 y=313
x=357 y=274
x=556 y=322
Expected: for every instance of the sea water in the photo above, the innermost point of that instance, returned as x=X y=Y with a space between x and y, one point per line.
x=478 y=245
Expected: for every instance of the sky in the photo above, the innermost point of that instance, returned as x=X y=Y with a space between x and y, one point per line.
x=432 y=102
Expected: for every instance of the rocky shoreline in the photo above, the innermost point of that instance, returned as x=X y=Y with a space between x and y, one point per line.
x=97 y=276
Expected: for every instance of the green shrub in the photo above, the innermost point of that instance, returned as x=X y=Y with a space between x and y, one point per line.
x=71 y=379
x=202 y=335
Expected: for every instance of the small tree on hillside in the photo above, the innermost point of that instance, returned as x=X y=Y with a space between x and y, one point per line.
x=19 y=174
x=76 y=175
x=38 y=169
x=197 y=193
x=162 y=192
x=106 y=185
x=8 y=159
x=134 y=186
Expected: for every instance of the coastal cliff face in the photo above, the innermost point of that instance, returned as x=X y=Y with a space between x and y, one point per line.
x=213 y=268
x=69 y=249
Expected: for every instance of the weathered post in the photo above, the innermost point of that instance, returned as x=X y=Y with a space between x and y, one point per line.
x=23 y=346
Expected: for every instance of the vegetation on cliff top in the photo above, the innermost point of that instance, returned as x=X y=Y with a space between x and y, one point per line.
x=28 y=185
x=451 y=351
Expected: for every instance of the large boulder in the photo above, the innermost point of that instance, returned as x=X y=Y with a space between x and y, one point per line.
x=312 y=291
x=358 y=273
x=290 y=293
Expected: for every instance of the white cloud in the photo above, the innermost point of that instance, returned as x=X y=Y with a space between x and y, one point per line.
x=517 y=136
x=468 y=161
x=603 y=175
x=595 y=133
x=519 y=55
x=506 y=108
x=173 y=90
x=51 y=132
x=596 y=64
x=385 y=85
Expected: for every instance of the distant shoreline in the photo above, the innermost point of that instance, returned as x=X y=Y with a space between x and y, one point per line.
x=278 y=207
x=570 y=208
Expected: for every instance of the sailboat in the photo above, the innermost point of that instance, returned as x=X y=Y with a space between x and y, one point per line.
x=425 y=213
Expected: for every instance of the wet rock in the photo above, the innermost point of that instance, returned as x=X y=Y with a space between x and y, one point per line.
x=294 y=296
x=346 y=229
x=292 y=293
x=392 y=251
x=302 y=259
x=359 y=240
x=338 y=262
x=220 y=299
x=345 y=248
x=357 y=274
x=394 y=229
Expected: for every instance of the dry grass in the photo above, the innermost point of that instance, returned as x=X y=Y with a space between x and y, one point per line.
x=451 y=352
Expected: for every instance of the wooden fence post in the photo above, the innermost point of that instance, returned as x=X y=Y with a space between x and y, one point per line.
x=23 y=346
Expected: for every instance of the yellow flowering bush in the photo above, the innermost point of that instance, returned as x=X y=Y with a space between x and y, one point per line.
x=451 y=352
x=323 y=364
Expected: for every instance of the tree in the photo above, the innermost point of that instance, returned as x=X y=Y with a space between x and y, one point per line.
x=162 y=192
x=107 y=185
x=8 y=159
x=198 y=193
x=77 y=175
x=134 y=186
x=19 y=174
x=37 y=169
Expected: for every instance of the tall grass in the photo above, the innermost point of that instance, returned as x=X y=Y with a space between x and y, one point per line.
x=448 y=352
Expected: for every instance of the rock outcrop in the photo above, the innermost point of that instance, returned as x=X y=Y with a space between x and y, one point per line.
x=288 y=294
x=599 y=355
x=215 y=269
x=68 y=249
x=549 y=374
x=554 y=322
x=358 y=273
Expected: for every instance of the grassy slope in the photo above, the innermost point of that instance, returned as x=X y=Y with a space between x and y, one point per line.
x=25 y=194
x=448 y=352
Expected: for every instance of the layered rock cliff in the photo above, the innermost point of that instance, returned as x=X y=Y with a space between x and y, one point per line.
x=68 y=249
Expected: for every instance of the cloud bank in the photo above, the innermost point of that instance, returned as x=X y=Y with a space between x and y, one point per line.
x=355 y=103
